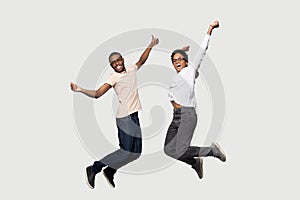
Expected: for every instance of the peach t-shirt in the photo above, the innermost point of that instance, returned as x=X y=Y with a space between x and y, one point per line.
x=125 y=86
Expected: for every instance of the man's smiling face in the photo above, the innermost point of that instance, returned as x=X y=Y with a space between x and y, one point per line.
x=117 y=63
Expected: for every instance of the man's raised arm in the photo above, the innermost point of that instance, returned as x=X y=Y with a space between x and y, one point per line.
x=145 y=54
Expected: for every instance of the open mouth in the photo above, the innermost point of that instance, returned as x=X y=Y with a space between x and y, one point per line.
x=118 y=68
x=178 y=65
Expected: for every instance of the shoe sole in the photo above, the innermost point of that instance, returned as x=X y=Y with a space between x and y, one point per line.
x=87 y=180
x=201 y=167
x=220 y=149
x=107 y=180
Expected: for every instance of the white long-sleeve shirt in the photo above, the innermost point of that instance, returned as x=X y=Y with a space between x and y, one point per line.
x=181 y=88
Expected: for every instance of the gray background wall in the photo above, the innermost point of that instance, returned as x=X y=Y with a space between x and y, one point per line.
x=43 y=45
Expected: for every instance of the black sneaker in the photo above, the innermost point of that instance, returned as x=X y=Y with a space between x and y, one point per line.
x=108 y=173
x=198 y=167
x=218 y=152
x=90 y=177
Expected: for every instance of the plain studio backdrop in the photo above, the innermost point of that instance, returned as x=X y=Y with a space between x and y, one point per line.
x=44 y=44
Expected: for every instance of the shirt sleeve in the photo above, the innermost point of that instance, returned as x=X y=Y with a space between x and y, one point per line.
x=201 y=52
x=132 y=67
x=111 y=80
x=135 y=67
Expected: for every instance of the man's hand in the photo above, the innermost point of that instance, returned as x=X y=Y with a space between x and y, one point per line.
x=186 y=48
x=215 y=24
x=74 y=87
x=212 y=26
x=154 y=41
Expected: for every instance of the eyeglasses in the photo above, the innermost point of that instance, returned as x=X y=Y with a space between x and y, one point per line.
x=178 y=59
x=115 y=61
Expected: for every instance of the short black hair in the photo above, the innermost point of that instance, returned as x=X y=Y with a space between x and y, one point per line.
x=180 y=51
x=113 y=53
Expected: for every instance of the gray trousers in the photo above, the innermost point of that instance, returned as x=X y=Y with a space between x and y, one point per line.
x=180 y=134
